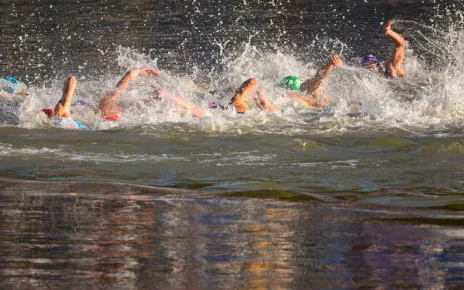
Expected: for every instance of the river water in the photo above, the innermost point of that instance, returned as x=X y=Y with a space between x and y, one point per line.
x=366 y=193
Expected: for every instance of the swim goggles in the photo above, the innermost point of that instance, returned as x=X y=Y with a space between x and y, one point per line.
x=371 y=65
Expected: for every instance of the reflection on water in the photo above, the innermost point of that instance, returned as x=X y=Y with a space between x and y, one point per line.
x=118 y=237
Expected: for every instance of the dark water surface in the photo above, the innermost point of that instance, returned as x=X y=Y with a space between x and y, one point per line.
x=365 y=194
x=43 y=38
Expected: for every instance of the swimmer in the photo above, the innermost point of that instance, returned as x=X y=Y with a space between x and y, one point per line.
x=312 y=96
x=108 y=109
x=13 y=86
x=61 y=114
x=12 y=96
x=394 y=66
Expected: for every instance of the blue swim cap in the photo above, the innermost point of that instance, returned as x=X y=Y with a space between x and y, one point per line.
x=369 y=58
x=12 y=80
x=291 y=82
x=11 y=85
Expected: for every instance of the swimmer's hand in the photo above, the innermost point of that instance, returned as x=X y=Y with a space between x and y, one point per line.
x=336 y=60
x=145 y=71
x=387 y=27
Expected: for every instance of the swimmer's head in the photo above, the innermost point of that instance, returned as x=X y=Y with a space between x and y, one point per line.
x=371 y=63
x=48 y=112
x=13 y=86
x=291 y=82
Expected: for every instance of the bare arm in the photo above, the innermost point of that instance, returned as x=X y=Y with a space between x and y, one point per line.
x=62 y=107
x=182 y=103
x=394 y=64
x=124 y=82
x=264 y=103
x=179 y=101
x=311 y=86
x=238 y=101
x=108 y=105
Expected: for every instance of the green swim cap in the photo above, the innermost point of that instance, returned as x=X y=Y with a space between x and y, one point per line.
x=291 y=82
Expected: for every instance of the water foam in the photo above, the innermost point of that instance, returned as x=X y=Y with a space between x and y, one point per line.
x=430 y=98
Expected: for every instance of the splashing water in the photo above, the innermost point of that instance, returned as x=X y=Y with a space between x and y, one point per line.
x=429 y=98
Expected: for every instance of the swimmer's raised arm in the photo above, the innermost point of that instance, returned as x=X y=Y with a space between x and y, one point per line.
x=394 y=64
x=241 y=95
x=108 y=105
x=311 y=86
x=239 y=99
x=62 y=107
x=124 y=82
